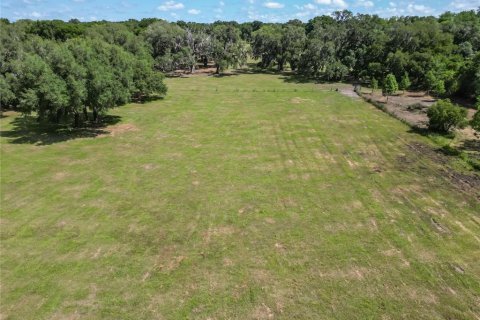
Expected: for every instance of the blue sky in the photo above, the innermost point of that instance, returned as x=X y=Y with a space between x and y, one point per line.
x=211 y=10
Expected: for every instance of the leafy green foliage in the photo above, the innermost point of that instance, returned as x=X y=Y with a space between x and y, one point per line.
x=475 y=123
x=100 y=65
x=374 y=84
x=444 y=116
x=390 y=85
x=105 y=68
x=228 y=49
x=405 y=82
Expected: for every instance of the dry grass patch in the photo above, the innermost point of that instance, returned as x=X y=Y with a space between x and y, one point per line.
x=119 y=129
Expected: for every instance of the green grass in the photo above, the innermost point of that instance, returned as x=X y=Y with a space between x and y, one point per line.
x=242 y=197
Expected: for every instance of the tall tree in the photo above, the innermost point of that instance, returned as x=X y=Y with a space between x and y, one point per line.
x=227 y=47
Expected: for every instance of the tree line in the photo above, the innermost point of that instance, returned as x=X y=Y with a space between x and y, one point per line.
x=58 y=69
x=61 y=75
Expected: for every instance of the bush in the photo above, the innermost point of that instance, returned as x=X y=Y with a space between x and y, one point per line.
x=390 y=85
x=475 y=123
x=444 y=116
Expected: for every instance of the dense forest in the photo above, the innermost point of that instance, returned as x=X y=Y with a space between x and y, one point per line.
x=60 y=70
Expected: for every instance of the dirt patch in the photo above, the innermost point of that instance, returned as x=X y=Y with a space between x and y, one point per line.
x=410 y=107
x=165 y=265
x=352 y=164
x=227 y=262
x=298 y=100
x=119 y=129
x=458 y=269
x=438 y=226
x=349 y=92
x=423 y=296
x=246 y=209
x=149 y=166
x=60 y=176
x=356 y=204
x=97 y=253
x=353 y=273
x=328 y=157
x=262 y=312
x=468 y=183
x=174 y=263
x=465 y=229
x=270 y=220
x=218 y=232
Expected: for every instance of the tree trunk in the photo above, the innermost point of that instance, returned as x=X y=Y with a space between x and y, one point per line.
x=192 y=69
x=281 y=63
x=218 y=69
x=95 y=115
x=77 y=120
x=85 y=113
x=59 y=116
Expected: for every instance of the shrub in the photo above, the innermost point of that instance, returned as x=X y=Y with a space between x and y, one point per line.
x=475 y=123
x=444 y=116
x=390 y=85
x=374 y=84
x=405 y=82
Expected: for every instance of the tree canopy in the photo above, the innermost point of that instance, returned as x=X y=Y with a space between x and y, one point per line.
x=57 y=69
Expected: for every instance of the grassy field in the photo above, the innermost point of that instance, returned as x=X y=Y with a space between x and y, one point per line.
x=240 y=197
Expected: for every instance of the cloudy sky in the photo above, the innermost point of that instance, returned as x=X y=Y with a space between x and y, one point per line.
x=211 y=10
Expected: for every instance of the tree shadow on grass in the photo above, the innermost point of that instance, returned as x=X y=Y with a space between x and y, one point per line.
x=147 y=99
x=27 y=130
x=292 y=77
x=257 y=70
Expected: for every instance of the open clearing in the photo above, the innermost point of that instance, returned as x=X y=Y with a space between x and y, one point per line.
x=243 y=197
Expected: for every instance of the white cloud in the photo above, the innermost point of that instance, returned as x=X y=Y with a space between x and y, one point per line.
x=170 y=5
x=365 y=3
x=36 y=14
x=273 y=5
x=339 y=3
x=221 y=3
x=465 y=4
x=194 y=11
x=334 y=3
x=413 y=8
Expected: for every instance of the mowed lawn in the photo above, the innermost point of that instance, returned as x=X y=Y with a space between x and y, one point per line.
x=240 y=197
